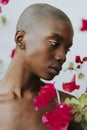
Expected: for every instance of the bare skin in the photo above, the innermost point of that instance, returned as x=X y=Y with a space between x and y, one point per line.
x=20 y=114
x=38 y=58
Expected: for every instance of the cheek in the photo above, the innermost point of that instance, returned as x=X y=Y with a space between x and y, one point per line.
x=38 y=52
x=38 y=61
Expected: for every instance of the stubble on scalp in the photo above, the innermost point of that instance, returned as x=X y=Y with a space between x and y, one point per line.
x=36 y=14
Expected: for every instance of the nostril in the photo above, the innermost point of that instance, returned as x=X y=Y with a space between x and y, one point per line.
x=61 y=57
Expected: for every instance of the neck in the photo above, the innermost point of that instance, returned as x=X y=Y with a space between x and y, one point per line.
x=18 y=78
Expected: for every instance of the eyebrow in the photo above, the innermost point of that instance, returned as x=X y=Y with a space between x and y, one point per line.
x=57 y=36
x=60 y=38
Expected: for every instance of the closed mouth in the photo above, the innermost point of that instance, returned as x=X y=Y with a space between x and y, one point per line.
x=55 y=70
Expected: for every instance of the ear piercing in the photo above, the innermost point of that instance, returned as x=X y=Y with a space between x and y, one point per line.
x=20 y=46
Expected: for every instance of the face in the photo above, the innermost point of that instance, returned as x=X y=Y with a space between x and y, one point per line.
x=46 y=48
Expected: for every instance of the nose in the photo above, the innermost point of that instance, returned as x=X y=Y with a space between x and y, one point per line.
x=60 y=54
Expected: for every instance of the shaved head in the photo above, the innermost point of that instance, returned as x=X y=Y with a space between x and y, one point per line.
x=37 y=14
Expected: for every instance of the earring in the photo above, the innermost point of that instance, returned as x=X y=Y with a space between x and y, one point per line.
x=20 y=46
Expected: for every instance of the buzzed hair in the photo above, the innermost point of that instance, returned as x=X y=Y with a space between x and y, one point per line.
x=36 y=14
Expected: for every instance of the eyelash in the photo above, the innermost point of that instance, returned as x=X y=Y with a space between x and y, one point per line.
x=67 y=50
x=53 y=43
x=56 y=44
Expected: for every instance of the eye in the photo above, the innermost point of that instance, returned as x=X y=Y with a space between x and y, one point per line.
x=67 y=50
x=53 y=43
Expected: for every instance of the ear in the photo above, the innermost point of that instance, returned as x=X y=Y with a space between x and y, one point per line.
x=19 y=37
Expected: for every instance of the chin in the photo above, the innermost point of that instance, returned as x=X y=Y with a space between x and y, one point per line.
x=49 y=78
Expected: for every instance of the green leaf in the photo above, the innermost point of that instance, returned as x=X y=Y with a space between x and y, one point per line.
x=4 y=20
x=83 y=98
x=75 y=101
x=78 y=117
x=72 y=101
x=84 y=125
x=67 y=101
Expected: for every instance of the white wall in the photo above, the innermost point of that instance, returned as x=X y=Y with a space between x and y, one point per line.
x=75 y=9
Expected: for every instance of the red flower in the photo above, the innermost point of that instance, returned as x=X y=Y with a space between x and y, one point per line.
x=47 y=93
x=71 y=86
x=12 y=53
x=4 y=2
x=58 y=118
x=84 y=25
x=77 y=59
x=84 y=59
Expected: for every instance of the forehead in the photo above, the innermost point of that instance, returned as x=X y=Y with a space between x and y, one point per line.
x=53 y=26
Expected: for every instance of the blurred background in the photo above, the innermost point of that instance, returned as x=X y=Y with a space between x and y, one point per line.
x=77 y=12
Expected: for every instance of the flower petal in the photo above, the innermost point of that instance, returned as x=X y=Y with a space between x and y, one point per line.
x=77 y=59
x=70 y=86
x=4 y=2
x=58 y=118
x=47 y=93
x=84 y=25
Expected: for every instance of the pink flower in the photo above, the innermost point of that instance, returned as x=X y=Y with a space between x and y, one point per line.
x=71 y=86
x=58 y=118
x=47 y=93
x=84 y=25
x=4 y=2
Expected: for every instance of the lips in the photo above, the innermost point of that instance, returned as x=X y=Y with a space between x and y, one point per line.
x=54 y=70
